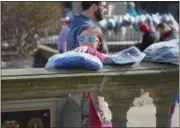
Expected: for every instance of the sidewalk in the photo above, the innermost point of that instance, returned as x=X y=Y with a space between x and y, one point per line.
x=144 y=116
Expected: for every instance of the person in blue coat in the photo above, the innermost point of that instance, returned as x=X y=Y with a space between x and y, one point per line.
x=92 y=13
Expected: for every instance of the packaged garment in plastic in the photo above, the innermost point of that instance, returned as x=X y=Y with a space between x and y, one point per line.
x=166 y=51
x=129 y=55
x=73 y=60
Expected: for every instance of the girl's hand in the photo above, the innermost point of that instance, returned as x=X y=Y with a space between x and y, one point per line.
x=83 y=49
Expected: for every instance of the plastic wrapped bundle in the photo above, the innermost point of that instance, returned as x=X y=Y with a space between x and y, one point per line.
x=165 y=18
x=156 y=18
x=111 y=24
x=123 y=31
x=166 y=51
x=149 y=21
x=127 y=20
x=126 y=56
x=132 y=19
x=143 y=18
x=117 y=26
x=74 y=60
x=103 y=23
x=138 y=21
x=173 y=22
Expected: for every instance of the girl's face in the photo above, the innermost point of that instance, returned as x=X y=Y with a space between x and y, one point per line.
x=89 y=38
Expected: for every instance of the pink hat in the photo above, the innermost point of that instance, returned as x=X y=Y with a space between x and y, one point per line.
x=144 y=27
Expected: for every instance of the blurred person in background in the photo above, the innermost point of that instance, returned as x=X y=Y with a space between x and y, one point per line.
x=63 y=35
x=148 y=37
x=92 y=13
x=166 y=32
x=131 y=9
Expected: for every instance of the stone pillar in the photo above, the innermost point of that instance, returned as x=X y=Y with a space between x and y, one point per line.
x=119 y=104
x=71 y=114
x=163 y=100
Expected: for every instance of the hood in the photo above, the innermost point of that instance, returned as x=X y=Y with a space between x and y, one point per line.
x=79 y=20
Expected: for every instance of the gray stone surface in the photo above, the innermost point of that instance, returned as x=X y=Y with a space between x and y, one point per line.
x=40 y=83
x=71 y=114
x=137 y=116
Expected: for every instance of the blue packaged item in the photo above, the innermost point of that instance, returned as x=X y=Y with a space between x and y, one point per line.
x=74 y=60
x=126 y=56
x=164 y=52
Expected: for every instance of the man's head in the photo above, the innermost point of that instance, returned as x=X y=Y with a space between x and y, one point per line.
x=96 y=8
x=163 y=28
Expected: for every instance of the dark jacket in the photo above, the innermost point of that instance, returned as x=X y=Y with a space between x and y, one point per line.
x=169 y=36
x=148 y=39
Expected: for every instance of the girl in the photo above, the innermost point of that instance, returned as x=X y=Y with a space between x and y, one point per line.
x=90 y=41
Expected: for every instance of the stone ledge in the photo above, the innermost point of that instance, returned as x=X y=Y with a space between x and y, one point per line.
x=41 y=83
x=142 y=68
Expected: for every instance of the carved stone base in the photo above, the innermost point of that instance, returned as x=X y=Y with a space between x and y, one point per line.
x=119 y=103
x=163 y=101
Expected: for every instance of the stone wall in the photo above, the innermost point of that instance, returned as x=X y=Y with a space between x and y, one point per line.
x=38 y=89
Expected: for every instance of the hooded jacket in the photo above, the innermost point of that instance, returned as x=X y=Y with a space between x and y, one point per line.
x=148 y=39
x=75 y=26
